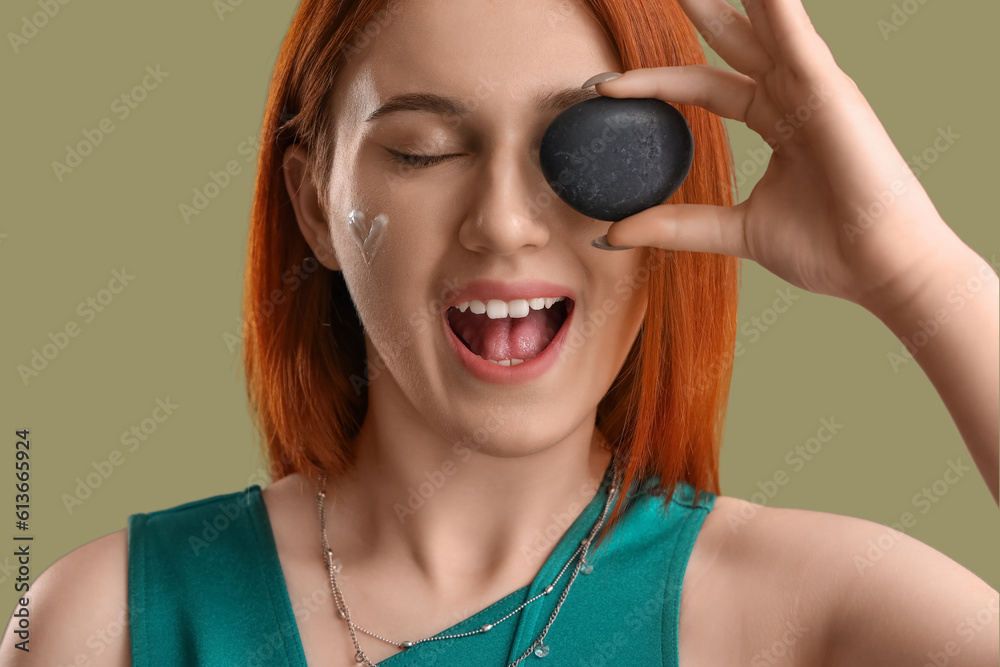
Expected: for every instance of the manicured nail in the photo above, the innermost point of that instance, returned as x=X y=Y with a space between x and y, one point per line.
x=601 y=78
x=602 y=243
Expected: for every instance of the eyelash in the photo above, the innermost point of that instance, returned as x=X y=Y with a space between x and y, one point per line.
x=418 y=160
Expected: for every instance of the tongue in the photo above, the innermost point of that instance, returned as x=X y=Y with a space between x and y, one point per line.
x=505 y=338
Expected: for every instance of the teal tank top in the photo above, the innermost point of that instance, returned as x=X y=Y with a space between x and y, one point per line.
x=205 y=588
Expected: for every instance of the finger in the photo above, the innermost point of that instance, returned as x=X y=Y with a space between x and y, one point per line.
x=730 y=34
x=762 y=27
x=795 y=38
x=724 y=93
x=692 y=227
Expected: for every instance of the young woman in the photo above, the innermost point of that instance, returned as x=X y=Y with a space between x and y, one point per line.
x=460 y=394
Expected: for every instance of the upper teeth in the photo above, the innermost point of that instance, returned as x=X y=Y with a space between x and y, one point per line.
x=496 y=309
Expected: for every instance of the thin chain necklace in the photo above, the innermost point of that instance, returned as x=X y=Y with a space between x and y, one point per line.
x=538 y=647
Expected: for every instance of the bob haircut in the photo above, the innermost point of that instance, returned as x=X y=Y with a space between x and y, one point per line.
x=304 y=350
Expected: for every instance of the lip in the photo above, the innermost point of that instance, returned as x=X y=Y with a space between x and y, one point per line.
x=484 y=290
x=507 y=375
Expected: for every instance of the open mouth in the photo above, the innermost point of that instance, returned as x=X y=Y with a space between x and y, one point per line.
x=510 y=340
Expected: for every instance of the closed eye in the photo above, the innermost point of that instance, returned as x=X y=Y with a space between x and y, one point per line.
x=419 y=160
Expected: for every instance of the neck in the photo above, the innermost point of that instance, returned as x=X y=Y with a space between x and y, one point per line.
x=460 y=519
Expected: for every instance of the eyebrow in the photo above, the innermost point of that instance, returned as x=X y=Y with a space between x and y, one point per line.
x=552 y=101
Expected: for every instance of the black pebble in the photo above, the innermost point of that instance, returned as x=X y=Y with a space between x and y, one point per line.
x=610 y=157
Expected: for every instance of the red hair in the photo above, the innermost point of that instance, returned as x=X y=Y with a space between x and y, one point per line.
x=303 y=347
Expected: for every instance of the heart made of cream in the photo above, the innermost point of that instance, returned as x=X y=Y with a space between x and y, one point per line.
x=367 y=238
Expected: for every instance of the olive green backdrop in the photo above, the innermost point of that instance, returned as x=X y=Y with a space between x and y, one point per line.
x=170 y=332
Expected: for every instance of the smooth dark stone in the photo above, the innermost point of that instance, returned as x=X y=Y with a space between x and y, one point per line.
x=610 y=158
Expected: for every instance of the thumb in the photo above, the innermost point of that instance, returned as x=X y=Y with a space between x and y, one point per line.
x=692 y=227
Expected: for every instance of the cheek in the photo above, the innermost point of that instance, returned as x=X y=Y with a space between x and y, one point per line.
x=390 y=250
x=624 y=292
x=623 y=278
x=384 y=301
x=391 y=293
x=415 y=210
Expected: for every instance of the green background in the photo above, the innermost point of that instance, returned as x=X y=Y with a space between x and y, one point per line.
x=164 y=335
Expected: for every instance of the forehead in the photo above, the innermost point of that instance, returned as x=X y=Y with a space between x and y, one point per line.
x=491 y=54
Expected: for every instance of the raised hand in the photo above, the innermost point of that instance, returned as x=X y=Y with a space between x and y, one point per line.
x=838 y=210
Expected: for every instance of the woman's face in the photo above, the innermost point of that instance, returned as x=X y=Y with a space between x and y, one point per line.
x=482 y=212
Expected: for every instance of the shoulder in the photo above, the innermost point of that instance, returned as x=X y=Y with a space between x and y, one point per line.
x=78 y=606
x=750 y=572
x=839 y=590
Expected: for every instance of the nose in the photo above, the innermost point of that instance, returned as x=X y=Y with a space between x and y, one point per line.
x=504 y=218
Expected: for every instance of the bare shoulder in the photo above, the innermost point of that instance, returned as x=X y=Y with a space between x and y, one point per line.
x=750 y=572
x=815 y=588
x=77 y=609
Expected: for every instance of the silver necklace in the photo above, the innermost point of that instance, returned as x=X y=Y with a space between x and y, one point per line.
x=538 y=647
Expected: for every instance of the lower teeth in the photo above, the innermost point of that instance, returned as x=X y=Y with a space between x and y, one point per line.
x=503 y=362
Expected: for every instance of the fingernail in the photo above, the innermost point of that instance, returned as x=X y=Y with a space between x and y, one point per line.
x=601 y=78
x=602 y=243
